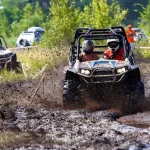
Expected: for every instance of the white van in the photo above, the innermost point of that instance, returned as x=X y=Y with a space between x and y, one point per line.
x=29 y=37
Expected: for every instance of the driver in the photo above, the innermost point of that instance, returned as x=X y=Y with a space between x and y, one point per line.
x=1 y=47
x=114 y=50
x=88 y=48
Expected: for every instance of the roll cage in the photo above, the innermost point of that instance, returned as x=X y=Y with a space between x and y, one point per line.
x=116 y=32
x=3 y=42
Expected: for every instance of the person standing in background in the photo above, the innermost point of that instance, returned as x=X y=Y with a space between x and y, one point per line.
x=130 y=33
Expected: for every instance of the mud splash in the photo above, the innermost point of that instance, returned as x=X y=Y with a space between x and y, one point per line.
x=97 y=125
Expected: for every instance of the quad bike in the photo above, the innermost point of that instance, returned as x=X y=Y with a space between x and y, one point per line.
x=8 y=59
x=103 y=80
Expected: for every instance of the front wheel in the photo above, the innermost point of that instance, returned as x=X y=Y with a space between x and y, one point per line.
x=72 y=97
x=134 y=96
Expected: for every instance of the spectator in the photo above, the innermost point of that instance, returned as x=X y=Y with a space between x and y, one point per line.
x=130 y=33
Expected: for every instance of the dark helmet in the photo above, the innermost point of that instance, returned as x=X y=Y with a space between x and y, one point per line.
x=88 y=46
x=113 y=44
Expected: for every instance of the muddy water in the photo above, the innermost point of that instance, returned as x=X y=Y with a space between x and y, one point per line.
x=95 y=127
x=77 y=129
x=141 y=120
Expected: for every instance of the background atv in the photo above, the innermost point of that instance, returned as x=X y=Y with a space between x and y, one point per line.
x=102 y=80
x=8 y=59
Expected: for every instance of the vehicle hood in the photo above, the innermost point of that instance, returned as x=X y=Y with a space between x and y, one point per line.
x=5 y=52
x=102 y=63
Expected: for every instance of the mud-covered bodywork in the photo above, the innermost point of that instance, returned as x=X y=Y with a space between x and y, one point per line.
x=8 y=59
x=101 y=79
x=102 y=71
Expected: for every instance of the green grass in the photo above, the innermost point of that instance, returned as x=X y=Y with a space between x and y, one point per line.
x=145 y=53
x=11 y=41
x=33 y=61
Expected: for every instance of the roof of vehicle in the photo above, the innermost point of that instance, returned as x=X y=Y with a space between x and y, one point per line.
x=36 y=29
x=137 y=29
x=2 y=39
x=99 y=34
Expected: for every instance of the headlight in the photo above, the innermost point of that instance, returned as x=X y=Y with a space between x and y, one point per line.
x=84 y=71
x=121 y=70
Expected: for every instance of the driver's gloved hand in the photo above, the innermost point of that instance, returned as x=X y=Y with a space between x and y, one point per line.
x=112 y=57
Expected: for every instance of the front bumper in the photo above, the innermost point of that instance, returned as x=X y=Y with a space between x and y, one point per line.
x=110 y=76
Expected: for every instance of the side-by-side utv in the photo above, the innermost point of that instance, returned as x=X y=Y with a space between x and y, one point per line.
x=8 y=59
x=102 y=79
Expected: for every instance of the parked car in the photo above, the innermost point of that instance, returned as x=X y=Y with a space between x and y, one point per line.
x=29 y=37
x=140 y=35
x=137 y=30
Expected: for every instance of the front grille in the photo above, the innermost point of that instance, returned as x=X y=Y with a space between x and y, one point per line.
x=106 y=79
x=102 y=79
x=98 y=72
x=6 y=56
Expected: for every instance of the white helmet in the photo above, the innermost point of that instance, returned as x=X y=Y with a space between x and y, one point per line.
x=113 y=44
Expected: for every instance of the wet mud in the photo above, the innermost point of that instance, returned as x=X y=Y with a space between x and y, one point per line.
x=96 y=126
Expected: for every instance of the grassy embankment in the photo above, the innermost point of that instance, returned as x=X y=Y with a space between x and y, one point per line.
x=33 y=60
x=143 y=52
x=11 y=41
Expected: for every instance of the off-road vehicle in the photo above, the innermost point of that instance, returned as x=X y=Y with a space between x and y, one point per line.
x=8 y=59
x=30 y=37
x=102 y=80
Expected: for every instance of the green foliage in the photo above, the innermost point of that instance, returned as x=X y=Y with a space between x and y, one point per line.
x=144 y=53
x=64 y=18
x=18 y=15
x=32 y=17
x=144 y=19
x=44 y=4
x=101 y=15
x=11 y=11
x=61 y=23
x=15 y=13
x=33 y=61
x=11 y=41
x=132 y=14
x=82 y=3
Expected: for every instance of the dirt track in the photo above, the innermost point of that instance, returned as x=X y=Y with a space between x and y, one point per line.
x=56 y=128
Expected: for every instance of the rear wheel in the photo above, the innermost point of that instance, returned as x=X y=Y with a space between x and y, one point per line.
x=72 y=94
x=18 y=67
x=23 y=43
x=11 y=63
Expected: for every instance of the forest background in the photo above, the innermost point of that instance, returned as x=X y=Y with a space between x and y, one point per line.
x=60 y=18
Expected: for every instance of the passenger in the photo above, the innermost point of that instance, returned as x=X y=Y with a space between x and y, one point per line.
x=114 y=50
x=88 y=48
